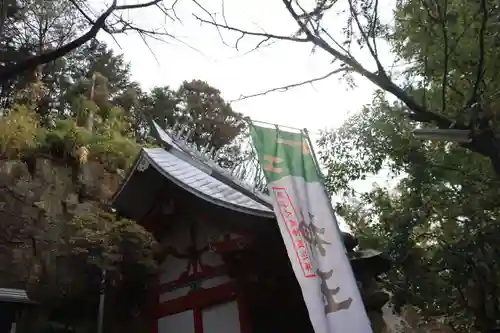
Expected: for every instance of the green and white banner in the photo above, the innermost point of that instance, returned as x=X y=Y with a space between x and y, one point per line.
x=310 y=233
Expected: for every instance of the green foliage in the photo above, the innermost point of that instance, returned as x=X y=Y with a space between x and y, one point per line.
x=436 y=221
x=439 y=218
x=64 y=139
x=101 y=240
x=213 y=119
x=114 y=150
x=83 y=108
x=21 y=135
x=89 y=244
x=18 y=131
x=444 y=37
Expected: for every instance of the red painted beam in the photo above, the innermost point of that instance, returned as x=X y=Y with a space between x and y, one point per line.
x=198 y=299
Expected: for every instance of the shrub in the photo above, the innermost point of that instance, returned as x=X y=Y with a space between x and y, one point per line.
x=65 y=139
x=21 y=135
x=114 y=150
x=99 y=238
x=18 y=131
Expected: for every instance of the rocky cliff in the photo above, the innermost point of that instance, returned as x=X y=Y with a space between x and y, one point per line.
x=37 y=197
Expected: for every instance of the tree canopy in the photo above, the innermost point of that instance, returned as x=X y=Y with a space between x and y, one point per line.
x=83 y=106
x=62 y=90
x=432 y=34
x=439 y=221
x=47 y=31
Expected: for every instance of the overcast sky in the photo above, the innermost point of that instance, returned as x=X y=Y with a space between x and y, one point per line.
x=325 y=104
x=199 y=53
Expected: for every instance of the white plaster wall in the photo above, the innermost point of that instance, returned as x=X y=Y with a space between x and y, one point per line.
x=177 y=323
x=179 y=238
x=222 y=318
x=176 y=293
x=207 y=232
x=172 y=268
x=215 y=281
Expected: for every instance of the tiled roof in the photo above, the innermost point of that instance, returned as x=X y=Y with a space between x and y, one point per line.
x=14 y=295
x=197 y=180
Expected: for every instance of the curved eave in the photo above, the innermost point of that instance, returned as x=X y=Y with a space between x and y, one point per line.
x=129 y=175
x=159 y=160
x=199 y=194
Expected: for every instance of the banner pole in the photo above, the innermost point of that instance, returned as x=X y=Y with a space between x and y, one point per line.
x=322 y=180
x=313 y=243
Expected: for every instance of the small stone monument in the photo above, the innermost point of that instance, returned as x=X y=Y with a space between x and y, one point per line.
x=12 y=304
x=367 y=265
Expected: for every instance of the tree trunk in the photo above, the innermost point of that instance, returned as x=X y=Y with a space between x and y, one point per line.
x=90 y=115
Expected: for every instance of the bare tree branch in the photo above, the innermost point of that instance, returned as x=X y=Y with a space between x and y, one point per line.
x=310 y=31
x=418 y=111
x=212 y=20
x=141 y=34
x=82 y=12
x=125 y=26
x=166 y=13
x=139 y=5
x=380 y=79
x=31 y=63
x=443 y=23
x=373 y=27
x=480 y=64
x=366 y=38
x=267 y=36
x=293 y=85
x=96 y=25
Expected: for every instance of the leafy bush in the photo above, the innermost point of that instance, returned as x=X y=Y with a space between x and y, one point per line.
x=91 y=243
x=64 y=139
x=104 y=241
x=114 y=150
x=111 y=146
x=21 y=135
x=18 y=131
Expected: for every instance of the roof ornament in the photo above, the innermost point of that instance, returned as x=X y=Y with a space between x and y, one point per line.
x=246 y=172
x=205 y=149
x=143 y=164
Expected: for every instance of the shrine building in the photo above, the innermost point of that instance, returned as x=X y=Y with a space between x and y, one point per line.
x=224 y=267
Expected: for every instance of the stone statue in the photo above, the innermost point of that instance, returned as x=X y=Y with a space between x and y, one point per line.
x=367 y=265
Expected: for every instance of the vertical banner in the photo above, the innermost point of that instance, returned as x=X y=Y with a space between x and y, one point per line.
x=308 y=228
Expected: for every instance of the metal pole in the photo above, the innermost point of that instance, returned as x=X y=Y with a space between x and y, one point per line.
x=322 y=180
x=274 y=125
x=102 y=290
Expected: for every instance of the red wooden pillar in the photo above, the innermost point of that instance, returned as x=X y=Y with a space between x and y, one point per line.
x=199 y=300
x=154 y=301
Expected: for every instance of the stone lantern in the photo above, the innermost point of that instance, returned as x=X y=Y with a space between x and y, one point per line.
x=367 y=265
